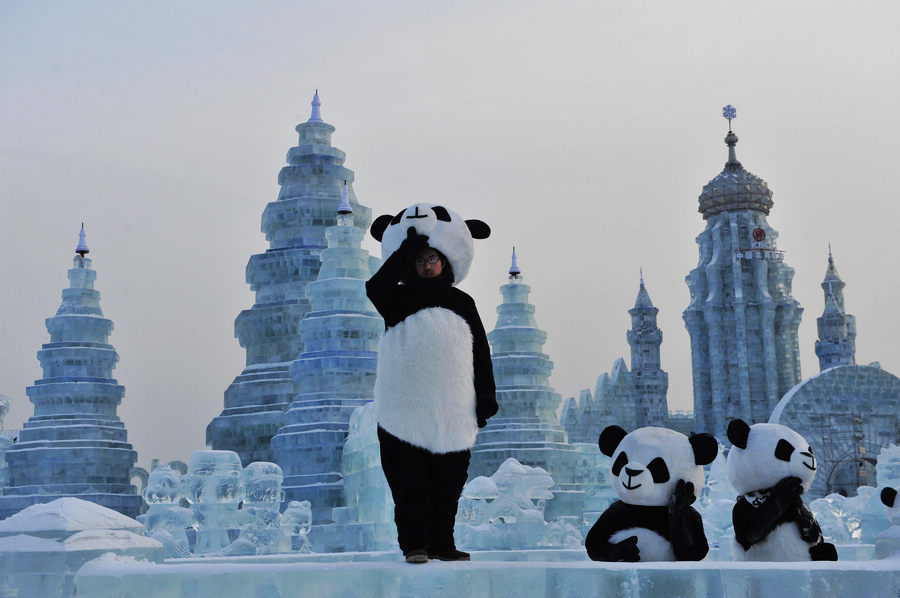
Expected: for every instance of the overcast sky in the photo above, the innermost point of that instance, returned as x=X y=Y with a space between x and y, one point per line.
x=582 y=132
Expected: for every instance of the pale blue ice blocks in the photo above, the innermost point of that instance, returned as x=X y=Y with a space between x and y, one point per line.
x=526 y=427
x=294 y=225
x=335 y=374
x=74 y=444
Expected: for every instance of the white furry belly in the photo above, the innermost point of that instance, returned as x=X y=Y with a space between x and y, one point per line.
x=782 y=544
x=424 y=385
x=653 y=546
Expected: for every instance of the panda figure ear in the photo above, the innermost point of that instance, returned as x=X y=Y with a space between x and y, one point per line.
x=610 y=438
x=380 y=225
x=738 y=431
x=479 y=229
x=705 y=448
x=888 y=496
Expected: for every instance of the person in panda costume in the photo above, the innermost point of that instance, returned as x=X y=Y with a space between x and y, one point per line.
x=771 y=465
x=657 y=474
x=889 y=499
x=434 y=384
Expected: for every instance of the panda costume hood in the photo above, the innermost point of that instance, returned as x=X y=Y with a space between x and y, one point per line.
x=434 y=383
x=657 y=474
x=771 y=465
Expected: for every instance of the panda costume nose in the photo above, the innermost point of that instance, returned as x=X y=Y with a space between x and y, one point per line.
x=632 y=472
x=420 y=218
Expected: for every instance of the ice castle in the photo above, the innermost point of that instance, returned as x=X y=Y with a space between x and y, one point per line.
x=294 y=224
x=74 y=444
x=742 y=318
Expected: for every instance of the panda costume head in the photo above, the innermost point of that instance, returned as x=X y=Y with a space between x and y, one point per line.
x=647 y=463
x=657 y=474
x=763 y=454
x=771 y=466
x=447 y=232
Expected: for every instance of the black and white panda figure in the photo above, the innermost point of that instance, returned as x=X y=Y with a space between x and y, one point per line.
x=889 y=500
x=657 y=474
x=434 y=383
x=771 y=466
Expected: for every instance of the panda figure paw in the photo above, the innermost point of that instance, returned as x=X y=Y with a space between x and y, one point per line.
x=626 y=550
x=682 y=497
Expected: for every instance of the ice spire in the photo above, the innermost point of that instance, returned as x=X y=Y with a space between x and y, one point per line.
x=82 y=248
x=731 y=140
x=345 y=207
x=514 y=271
x=316 y=116
x=643 y=297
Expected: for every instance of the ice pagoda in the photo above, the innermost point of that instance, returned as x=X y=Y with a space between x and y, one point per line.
x=526 y=427
x=294 y=224
x=335 y=374
x=74 y=444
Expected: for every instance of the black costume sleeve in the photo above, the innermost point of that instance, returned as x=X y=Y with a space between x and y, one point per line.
x=383 y=288
x=685 y=525
x=597 y=541
x=752 y=524
x=485 y=388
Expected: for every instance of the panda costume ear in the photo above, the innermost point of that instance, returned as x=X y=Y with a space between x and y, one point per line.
x=380 y=225
x=479 y=229
x=705 y=448
x=610 y=438
x=888 y=496
x=738 y=431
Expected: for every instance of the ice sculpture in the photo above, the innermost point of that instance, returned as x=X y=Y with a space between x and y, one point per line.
x=75 y=444
x=294 y=225
x=855 y=519
x=526 y=427
x=296 y=522
x=500 y=512
x=715 y=503
x=164 y=520
x=259 y=517
x=214 y=489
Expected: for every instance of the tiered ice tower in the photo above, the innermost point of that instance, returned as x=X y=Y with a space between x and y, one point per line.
x=742 y=318
x=837 y=329
x=74 y=444
x=526 y=426
x=335 y=374
x=295 y=226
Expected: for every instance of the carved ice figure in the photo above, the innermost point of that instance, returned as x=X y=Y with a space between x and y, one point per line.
x=500 y=513
x=295 y=524
x=164 y=520
x=259 y=516
x=214 y=489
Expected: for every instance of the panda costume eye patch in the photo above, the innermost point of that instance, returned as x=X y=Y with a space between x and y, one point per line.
x=621 y=461
x=441 y=213
x=784 y=450
x=658 y=470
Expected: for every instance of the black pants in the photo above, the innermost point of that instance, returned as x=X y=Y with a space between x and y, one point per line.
x=426 y=487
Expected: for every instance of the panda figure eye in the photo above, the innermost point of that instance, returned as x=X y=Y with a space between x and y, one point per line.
x=398 y=217
x=441 y=213
x=659 y=470
x=621 y=461
x=784 y=450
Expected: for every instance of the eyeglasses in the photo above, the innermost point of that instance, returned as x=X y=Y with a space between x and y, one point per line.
x=431 y=260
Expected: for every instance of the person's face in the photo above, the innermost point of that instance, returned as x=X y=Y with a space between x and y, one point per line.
x=428 y=264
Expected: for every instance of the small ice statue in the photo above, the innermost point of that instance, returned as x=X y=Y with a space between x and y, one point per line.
x=260 y=520
x=214 y=489
x=295 y=524
x=164 y=520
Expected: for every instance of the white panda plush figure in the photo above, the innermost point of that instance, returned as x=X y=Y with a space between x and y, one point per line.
x=889 y=500
x=770 y=466
x=657 y=474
